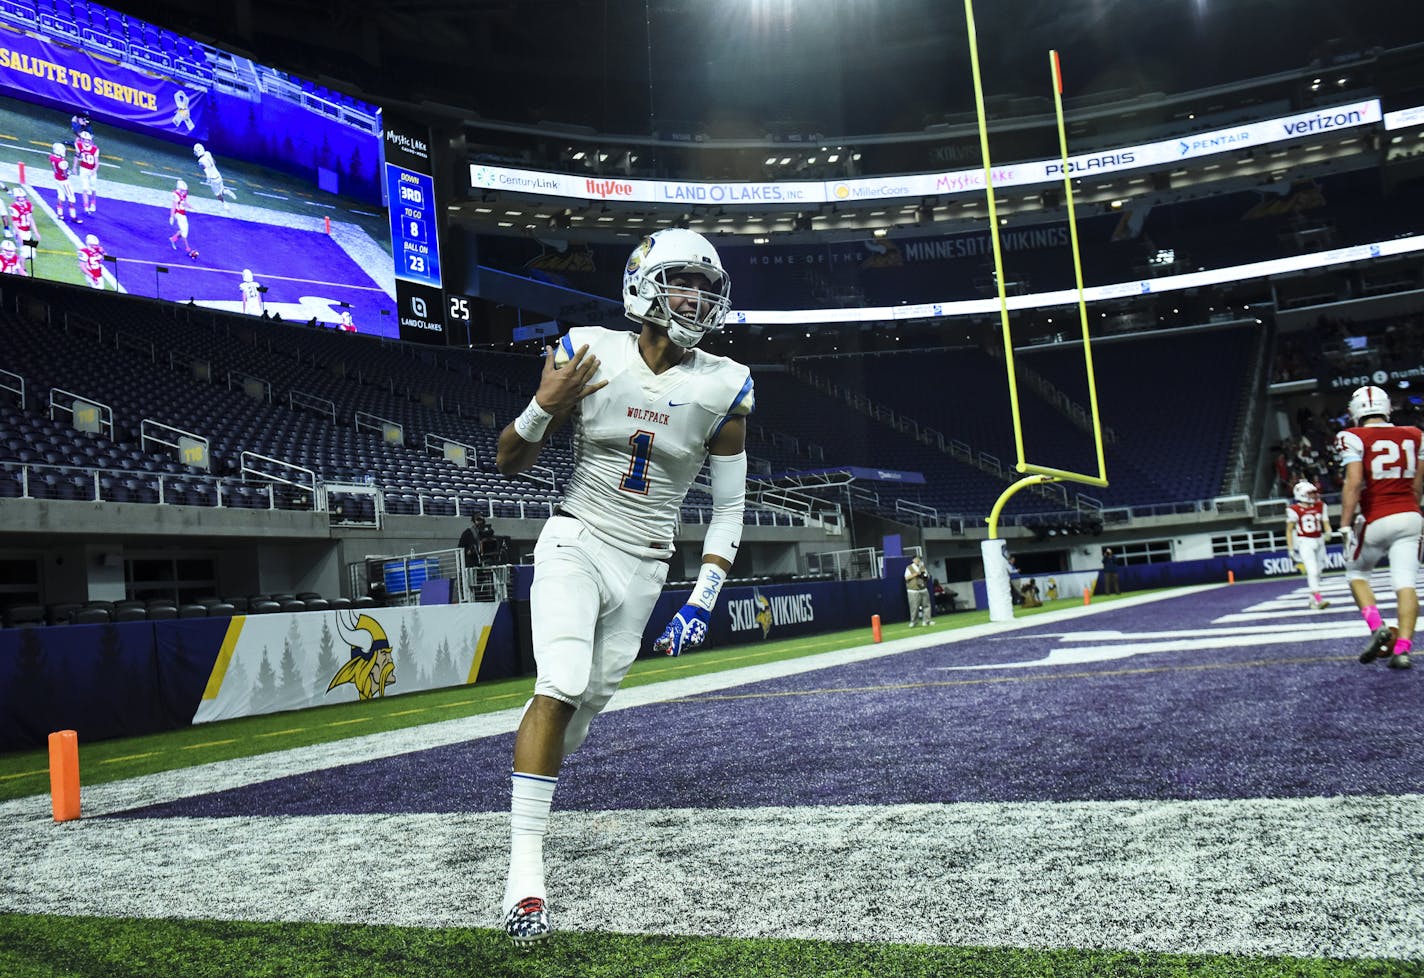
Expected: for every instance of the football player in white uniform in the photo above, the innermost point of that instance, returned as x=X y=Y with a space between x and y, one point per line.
x=251 y=294
x=211 y=176
x=1307 y=526
x=648 y=410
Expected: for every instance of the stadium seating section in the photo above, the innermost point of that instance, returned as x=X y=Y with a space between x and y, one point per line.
x=293 y=393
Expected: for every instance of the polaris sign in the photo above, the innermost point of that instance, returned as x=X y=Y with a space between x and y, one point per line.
x=1101 y=164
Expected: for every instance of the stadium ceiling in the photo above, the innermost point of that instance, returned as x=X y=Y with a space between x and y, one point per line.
x=835 y=66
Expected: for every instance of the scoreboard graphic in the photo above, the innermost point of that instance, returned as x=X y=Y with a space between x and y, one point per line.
x=415 y=239
x=414 y=245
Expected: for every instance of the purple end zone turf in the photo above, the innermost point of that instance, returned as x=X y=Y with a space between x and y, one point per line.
x=138 y=235
x=1267 y=719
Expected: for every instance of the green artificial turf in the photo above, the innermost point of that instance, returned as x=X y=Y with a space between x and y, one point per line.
x=81 y=947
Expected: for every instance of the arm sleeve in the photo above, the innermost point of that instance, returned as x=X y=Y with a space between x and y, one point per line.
x=728 y=475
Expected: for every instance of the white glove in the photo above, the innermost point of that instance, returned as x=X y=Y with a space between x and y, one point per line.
x=1353 y=537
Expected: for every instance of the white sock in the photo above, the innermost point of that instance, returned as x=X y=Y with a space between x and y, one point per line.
x=531 y=795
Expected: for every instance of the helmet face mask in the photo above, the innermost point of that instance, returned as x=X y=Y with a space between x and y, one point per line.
x=1368 y=402
x=659 y=285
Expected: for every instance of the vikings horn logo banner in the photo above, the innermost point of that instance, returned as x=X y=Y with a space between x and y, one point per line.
x=270 y=663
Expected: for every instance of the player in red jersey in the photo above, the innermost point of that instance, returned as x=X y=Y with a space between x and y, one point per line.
x=1379 y=509
x=91 y=262
x=10 y=261
x=63 y=186
x=1307 y=526
x=344 y=324
x=22 y=222
x=86 y=155
x=178 y=217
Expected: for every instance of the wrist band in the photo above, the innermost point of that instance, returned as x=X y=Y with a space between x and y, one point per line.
x=709 y=585
x=533 y=422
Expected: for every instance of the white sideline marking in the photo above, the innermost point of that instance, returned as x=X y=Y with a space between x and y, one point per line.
x=1305 y=876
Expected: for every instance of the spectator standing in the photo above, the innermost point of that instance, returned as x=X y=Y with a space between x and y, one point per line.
x=917 y=581
x=1110 y=579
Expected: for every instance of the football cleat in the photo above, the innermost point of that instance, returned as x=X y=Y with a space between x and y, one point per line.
x=527 y=922
x=1381 y=643
x=1400 y=661
x=193 y=253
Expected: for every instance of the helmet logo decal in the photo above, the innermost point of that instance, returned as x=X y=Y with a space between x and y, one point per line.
x=639 y=253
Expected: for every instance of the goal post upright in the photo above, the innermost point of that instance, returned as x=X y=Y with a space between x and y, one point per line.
x=996 y=566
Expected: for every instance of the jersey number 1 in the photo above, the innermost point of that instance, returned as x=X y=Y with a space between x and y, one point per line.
x=637 y=478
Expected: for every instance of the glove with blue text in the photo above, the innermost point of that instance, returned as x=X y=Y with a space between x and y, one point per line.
x=687 y=630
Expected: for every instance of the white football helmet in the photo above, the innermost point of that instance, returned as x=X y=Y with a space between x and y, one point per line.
x=58 y=149
x=19 y=193
x=647 y=295
x=91 y=240
x=247 y=275
x=1368 y=402
x=198 y=149
x=1305 y=492
x=86 y=135
x=182 y=185
x=8 y=247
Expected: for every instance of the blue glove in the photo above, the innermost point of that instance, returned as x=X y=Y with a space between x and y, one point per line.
x=687 y=630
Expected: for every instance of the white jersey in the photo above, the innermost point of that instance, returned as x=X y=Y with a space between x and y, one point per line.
x=251 y=297
x=640 y=442
x=208 y=165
